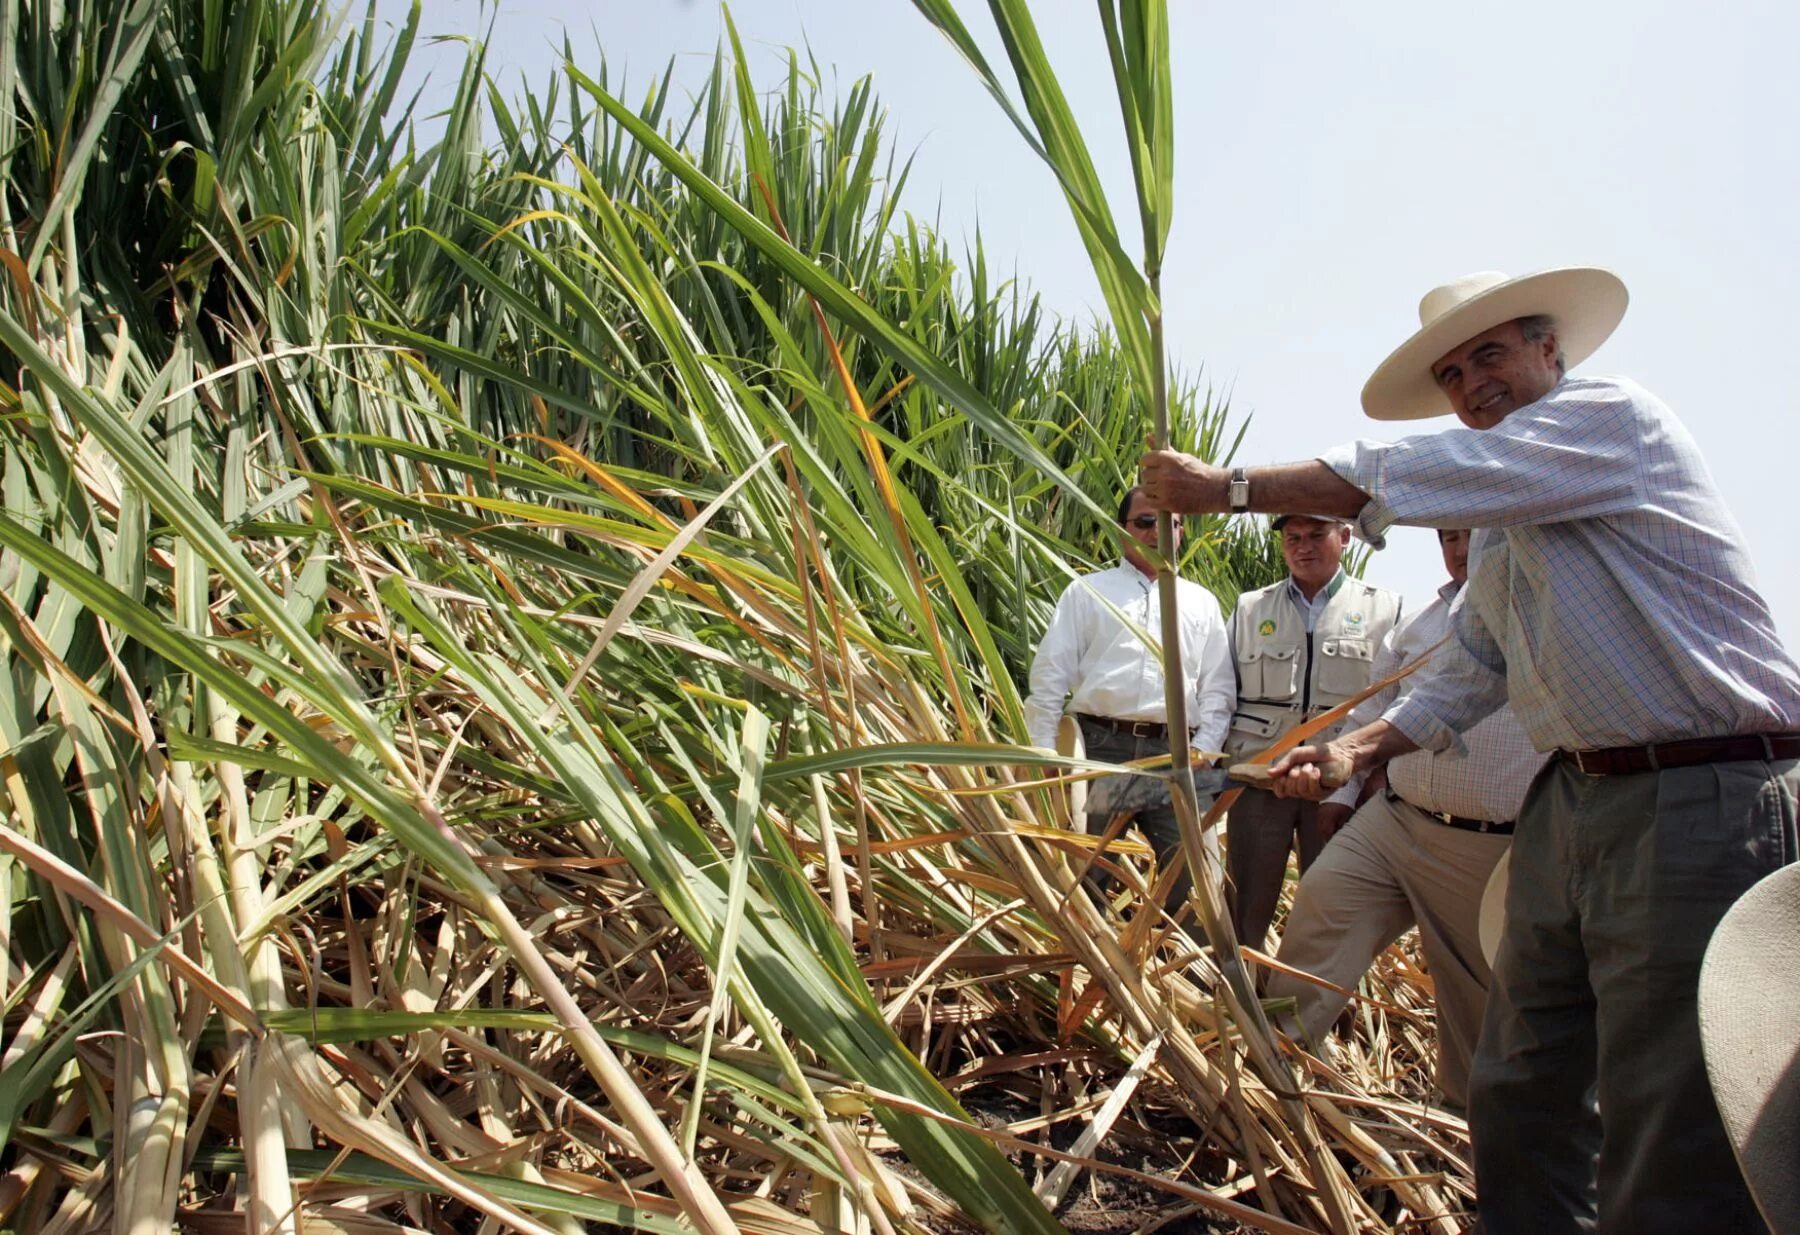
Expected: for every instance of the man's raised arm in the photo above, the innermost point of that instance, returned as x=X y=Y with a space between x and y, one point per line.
x=1188 y=486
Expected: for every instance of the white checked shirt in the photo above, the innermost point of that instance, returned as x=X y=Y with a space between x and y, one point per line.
x=1485 y=780
x=1097 y=660
x=1610 y=595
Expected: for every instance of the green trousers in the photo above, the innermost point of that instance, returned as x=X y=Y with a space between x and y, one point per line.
x=1589 y=1104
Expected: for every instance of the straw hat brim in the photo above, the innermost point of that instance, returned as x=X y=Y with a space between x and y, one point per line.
x=1750 y=1033
x=1586 y=302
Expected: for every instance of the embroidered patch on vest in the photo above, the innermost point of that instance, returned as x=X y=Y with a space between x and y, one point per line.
x=1267 y=627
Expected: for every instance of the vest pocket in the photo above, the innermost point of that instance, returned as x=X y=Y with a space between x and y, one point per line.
x=1249 y=732
x=1268 y=673
x=1344 y=665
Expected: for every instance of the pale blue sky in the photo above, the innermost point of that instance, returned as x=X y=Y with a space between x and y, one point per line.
x=1335 y=162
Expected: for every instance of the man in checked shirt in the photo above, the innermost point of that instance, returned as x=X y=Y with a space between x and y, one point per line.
x=1611 y=601
x=1427 y=832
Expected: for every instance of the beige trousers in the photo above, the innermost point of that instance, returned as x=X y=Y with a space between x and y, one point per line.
x=1390 y=868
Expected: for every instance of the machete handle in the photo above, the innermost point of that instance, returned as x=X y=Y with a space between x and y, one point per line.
x=1333 y=774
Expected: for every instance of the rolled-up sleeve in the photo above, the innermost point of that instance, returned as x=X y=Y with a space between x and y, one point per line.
x=1467 y=681
x=1571 y=455
x=1387 y=660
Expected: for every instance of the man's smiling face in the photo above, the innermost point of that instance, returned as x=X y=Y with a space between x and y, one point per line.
x=1313 y=548
x=1496 y=373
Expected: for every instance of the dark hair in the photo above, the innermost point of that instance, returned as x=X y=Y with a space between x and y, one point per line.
x=1537 y=328
x=1443 y=530
x=1125 y=503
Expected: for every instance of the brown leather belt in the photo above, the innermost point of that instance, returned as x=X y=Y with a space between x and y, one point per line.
x=1136 y=728
x=1626 y=760
x=1456 y=821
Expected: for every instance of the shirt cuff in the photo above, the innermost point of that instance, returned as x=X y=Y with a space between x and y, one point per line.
x=1360 y=463
x=1426 y=728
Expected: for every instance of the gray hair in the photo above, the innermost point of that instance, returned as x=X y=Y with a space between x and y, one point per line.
x=1537 y=328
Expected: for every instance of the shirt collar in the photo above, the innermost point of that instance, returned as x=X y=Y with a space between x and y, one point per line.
x=1448 y=592
x=1324 y=594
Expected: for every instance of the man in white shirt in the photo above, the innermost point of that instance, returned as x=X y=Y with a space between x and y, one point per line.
x=1418 y=851
x=1093 y=655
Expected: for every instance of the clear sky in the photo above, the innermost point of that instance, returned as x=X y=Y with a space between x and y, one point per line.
x=1335 y=162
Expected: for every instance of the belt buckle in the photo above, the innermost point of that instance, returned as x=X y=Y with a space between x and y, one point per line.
x=1581 y=764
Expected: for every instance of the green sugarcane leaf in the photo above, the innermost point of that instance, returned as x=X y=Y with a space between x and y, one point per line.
x=361 y=1170
x=950 y=385
x=680 y=865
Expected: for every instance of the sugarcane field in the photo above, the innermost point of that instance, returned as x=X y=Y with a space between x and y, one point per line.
x=687 y=618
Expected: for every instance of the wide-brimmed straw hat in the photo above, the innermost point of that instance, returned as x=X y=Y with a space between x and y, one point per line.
x=1585 y=302
x=1750 y=1032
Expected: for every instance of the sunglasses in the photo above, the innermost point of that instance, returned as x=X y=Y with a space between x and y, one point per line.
x=1145 y=521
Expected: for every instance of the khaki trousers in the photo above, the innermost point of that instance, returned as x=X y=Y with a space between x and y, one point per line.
x=1393 y=867
x=1260 y=832
x=1589 y=1105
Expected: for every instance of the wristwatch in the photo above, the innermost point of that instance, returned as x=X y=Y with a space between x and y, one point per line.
x=1239 y=493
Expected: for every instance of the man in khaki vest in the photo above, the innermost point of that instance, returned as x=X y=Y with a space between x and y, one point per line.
x=1300 y=646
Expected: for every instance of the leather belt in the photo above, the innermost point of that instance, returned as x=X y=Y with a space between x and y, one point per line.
x=1627 y=760
x=1456 y=821
x=1136 y=728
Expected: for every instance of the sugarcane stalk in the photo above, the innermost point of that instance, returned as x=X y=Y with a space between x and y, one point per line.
x=1205 y=878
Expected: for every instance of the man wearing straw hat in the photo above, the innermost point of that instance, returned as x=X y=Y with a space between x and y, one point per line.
x=1612 y=601
x=1425 y=837
x=1092 y=655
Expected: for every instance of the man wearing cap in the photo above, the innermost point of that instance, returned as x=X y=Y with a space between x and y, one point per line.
x=1419 y=852
x=1612 y=601
x=1300 y=647
x=1092 y=655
